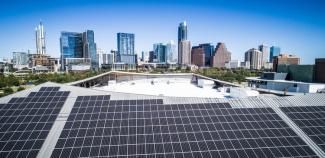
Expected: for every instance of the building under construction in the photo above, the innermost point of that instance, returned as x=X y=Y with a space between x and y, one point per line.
x=42 y=63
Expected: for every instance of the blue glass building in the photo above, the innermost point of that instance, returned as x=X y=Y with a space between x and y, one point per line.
x=274 y=51
x=70 y=46
x=125 y=48
x=161 y=52
x=208 y=49
x=90 y=48
x=182 y=31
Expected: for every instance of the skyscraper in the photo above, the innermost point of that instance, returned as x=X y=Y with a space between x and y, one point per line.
x=40 y=39
x=108 y=58
x=255 y=57
x=161 y=52
x=70 y=46
x=184 y=45
x=208 y=49
x=90 y=48
x=265 y=49
x=125 y=48
x=198 y=56
x=172 y=56
x=274 y=51
x=114 y=51
x=182 y=31
x=145 y=56
x=220 y=56
x=184 y=52
x=152 y=56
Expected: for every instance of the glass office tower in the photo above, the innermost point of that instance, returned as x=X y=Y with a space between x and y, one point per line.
x=70 y=46
x=274 y=51
x=171 y=52
x=265 y=49
x=182 y=31
x=208 y=49
x=125 y=48
x=90 y=48
x=161 y=52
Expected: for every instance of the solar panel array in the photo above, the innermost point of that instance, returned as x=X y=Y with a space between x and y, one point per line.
x=311 y=119
x=99 y=127
x=25 y=122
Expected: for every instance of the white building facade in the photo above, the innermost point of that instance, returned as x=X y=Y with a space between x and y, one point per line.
x=254 y=56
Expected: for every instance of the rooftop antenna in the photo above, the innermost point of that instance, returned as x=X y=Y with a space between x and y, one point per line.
x=274 y=43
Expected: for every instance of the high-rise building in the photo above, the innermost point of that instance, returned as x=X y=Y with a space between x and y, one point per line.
x=152 y=56
x=161 y=52
x=184 y=45
x=265 y=49
x=136 y=58
x=125 y=48
x=171 y=52
x=220 y=56
x=182 y=31
x=100 y=56
x=198 y=56
x=108 y=58
x=20 y=58
x=90 y=48
x=70 y=46
x=208 y=49
x=184 y=52
x=114 y=51
x=40 y=39
x=145 y=56
x=274 y=51
x=254 y=56
x=283 y=59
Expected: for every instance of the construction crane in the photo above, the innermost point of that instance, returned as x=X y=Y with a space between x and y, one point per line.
x=43 y=48
x=39 y=39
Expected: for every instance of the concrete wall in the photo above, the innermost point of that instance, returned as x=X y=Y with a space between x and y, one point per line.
x=279 y=86
x=310 y=88
x=304 y=73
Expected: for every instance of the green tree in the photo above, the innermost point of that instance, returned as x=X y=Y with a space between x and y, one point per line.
x=240 y=78
x=3 y=85
x=188 y=68
x=20 y=89
x=40 y=81
x=8 y=90
x=25 y=68
x=11 y=80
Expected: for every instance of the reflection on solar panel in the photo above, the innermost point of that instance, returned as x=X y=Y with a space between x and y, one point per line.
x=26 y=122
x=99 y=127
x=311 y=119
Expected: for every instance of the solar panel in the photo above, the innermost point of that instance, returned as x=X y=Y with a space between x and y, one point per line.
x=26 y=122
x=311 y=120
x=148 y=128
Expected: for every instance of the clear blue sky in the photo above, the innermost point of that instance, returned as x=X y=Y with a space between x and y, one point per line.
x=297 y=26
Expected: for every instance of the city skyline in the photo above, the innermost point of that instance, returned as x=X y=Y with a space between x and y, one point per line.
x=296 y=32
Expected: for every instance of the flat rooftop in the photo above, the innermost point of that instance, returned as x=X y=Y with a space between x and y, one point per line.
x=165 y=89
